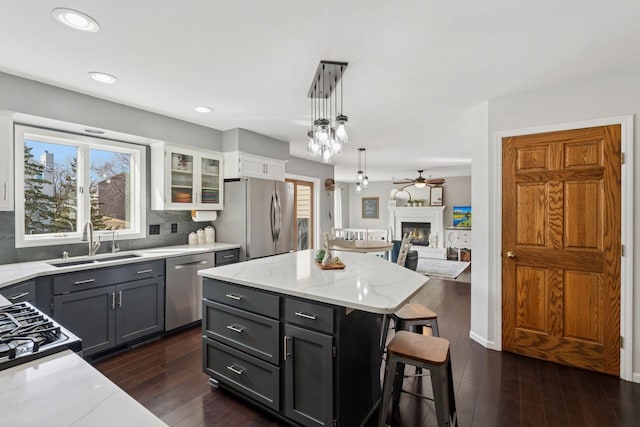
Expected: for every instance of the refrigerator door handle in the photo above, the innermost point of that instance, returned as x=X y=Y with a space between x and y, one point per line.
x=273 y=217
x=278 y=216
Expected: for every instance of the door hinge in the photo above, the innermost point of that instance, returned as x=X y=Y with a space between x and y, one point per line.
x=621 y=250
x=335 y=351
x=621 y=341
x=622 y=158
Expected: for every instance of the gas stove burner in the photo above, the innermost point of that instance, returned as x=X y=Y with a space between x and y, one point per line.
x=26 y=334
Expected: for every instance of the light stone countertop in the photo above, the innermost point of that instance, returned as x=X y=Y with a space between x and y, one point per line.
x=18 y=272
x=64 y=390
x=368 y=283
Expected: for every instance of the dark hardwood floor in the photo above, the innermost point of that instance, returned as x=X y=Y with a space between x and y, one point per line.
x=492 y=388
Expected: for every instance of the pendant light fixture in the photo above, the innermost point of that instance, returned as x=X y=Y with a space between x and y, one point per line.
x=363 y=179
x=326 y=135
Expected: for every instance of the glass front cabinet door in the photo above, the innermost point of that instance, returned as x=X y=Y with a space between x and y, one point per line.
x=193 y=179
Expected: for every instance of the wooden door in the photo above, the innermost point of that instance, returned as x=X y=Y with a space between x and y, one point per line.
x=561 y=247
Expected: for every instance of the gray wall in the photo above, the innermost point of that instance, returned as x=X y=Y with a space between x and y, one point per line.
x=304 y=167
x=250 y=142
x=38 y=99
x=456 y=191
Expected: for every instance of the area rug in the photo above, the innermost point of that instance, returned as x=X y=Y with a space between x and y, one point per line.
x=441 y=267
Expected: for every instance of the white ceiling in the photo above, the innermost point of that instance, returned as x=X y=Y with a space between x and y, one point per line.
x=416 y=68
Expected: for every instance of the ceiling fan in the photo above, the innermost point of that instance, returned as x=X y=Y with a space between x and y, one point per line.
x=421 y=181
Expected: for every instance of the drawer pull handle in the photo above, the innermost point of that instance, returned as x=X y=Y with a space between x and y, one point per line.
x=228 y=256
x=236 y=369
x=236 y=328
x=286 y=350
x=15 y=297
x=305 y=316
x=144 y=271
x=234 y=296
x=82 y=282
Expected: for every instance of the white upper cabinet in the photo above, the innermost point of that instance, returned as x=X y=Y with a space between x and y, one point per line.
x=6 y=161
x=245 y=165
x=186 y=179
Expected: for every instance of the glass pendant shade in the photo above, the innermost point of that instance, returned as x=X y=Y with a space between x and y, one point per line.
x=365 y=181
x=326 y=155
x=322 y=129
x=360 y=176
x=313 y=148
x=420 y=184
x=358 y=187
x=341 y=130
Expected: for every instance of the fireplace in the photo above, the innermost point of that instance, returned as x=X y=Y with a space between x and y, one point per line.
x=431 y=215
x=419 y=232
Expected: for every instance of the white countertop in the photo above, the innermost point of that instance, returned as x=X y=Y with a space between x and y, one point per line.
x=367 y=283
x=64 y=390
x=18 y=272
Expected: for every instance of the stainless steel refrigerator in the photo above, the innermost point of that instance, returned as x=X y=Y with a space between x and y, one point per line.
x=257 y=215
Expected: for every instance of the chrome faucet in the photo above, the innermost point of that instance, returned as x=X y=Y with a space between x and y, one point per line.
x=114 y=246
x=93 y=246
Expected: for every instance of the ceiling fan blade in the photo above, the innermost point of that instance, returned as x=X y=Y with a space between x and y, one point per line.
x=435 y=181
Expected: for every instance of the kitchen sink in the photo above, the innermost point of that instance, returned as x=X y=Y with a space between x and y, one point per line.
x=117 y=257
x=69 y=263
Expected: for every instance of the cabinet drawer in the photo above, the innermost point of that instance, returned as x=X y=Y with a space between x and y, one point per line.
x=228 y=256
x=252 y=377
x=242 y=297
x=22 y=292
x=142 y=270
x=81 y=280
x=308 y=314
x=248 y=332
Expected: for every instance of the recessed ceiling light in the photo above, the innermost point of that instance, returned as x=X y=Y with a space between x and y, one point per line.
x=76 y=20
x=103 y=77
x=204 y=109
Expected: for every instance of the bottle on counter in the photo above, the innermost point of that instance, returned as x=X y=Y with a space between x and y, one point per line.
x=209 y=234
x=193 y=238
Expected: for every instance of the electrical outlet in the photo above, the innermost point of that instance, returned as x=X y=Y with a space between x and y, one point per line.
x=174 y=228
x=154 y=229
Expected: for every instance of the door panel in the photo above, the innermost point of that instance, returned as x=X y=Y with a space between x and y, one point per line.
x=285 y=241
x=259 y=239
x=561 y=247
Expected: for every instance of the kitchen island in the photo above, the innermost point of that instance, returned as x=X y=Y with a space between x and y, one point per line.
x=302 y=342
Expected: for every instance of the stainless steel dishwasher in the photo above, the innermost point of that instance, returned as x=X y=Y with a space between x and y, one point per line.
x=184 y=289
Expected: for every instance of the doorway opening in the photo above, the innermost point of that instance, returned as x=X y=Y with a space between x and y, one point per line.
x=303 y=214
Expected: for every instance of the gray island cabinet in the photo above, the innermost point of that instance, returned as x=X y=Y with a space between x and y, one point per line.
x=302 y=342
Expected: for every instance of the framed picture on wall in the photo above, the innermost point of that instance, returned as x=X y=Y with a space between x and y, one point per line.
x=370 y=207
x=436 y=196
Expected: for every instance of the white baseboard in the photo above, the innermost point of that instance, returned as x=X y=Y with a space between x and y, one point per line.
x=491 y=345
x=636 y=378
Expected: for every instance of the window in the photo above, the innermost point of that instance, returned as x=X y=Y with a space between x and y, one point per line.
x=64 y=180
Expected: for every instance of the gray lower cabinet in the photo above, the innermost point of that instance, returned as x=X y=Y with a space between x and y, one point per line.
x=90 y=315
x=106 y=315
x=310 y=363
x=308 y=376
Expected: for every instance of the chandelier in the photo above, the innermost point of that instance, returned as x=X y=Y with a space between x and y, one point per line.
x=363 y=179
x=327 y=133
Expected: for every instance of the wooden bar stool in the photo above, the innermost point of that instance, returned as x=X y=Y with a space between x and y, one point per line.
x=427 y=352
x=414 y=316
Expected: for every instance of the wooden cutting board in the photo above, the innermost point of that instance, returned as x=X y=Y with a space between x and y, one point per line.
x=335 y=266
